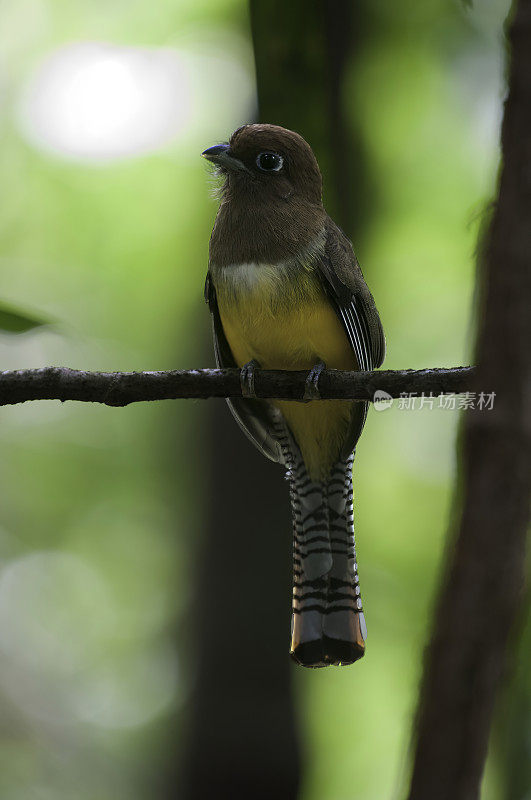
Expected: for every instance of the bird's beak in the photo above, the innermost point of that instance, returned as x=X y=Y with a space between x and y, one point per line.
x=220 y=154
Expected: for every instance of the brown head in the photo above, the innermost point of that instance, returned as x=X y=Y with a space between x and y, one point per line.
x=270 y=160
x=272 y=205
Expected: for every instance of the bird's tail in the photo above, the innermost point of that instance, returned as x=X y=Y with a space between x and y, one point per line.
x=328 y=626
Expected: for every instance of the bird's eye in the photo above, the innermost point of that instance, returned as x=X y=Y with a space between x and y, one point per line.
x=269 y=162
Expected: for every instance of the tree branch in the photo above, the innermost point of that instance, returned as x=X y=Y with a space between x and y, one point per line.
x=122 y=388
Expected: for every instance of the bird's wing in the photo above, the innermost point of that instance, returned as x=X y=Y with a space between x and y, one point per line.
x=343 y=282
x=255 y=417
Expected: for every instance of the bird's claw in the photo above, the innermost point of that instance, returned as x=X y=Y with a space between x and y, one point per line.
x=311 y=391
x=247 y=378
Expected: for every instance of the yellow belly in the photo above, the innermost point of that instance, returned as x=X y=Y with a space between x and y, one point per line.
x=295 y=335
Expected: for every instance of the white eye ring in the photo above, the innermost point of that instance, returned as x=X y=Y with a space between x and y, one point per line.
x=275 y=161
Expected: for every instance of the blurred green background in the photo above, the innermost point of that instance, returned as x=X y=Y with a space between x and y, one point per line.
x=105 y=214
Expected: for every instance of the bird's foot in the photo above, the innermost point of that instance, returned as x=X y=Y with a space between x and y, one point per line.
x=311 y=391
x=247 y=378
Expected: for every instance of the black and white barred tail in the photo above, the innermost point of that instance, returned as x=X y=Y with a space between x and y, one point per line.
x=328 y=626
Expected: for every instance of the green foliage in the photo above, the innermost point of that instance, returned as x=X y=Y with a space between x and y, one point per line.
x=14 y=321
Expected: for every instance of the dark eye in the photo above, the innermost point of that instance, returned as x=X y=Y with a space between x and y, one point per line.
x=269 y=162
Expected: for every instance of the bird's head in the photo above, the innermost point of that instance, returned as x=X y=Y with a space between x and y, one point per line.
x=270 y=161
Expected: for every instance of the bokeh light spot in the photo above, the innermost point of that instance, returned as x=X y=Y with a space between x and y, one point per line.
x=100 y=101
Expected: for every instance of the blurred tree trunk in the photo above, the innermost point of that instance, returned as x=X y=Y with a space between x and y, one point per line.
x=302 y=52
x=482 y=592
x=241 y=737
x=240 y=740
x=512 y=734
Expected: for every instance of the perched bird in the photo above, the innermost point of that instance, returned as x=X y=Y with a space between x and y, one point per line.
x=285 y=291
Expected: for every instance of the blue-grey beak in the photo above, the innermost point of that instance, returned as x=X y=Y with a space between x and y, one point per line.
x=213 y=153
x=220 y=154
